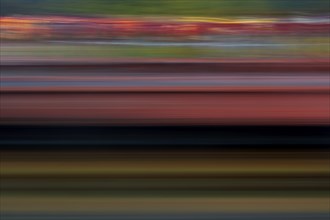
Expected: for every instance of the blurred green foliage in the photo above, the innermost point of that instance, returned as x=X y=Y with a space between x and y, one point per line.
x=164 y=7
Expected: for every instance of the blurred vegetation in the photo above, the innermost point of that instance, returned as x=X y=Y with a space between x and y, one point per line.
x=297 y=47
x=164 y=7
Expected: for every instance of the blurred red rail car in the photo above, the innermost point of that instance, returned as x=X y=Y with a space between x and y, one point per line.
x=277 y=94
